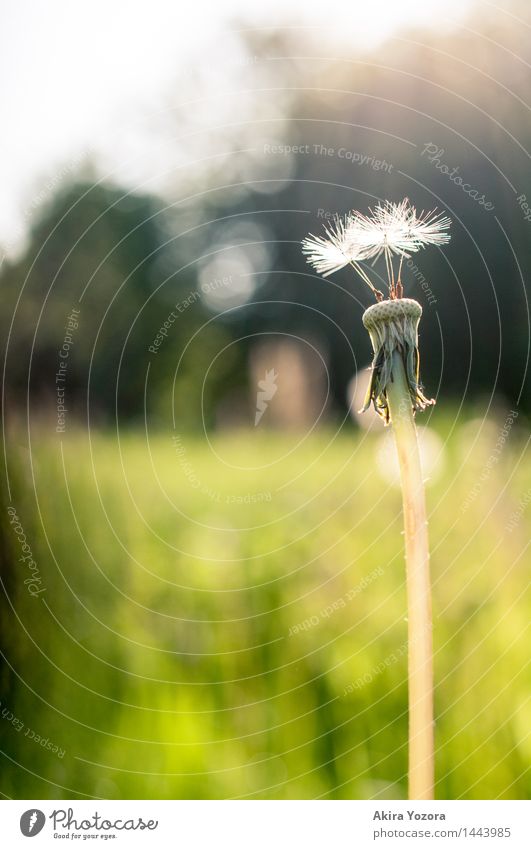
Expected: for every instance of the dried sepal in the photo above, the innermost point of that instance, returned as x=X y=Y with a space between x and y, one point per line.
x=393 y=326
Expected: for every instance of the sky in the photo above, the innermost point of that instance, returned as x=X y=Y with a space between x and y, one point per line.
x=87 y=80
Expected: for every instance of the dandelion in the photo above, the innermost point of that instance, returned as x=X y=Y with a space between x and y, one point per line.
x=391 y=230
x=330 y=253
x=396 y=228
x=337 y=249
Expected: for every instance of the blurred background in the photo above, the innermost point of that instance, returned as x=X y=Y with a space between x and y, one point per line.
x=201 y=552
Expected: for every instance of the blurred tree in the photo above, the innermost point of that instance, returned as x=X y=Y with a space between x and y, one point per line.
x=106 y=253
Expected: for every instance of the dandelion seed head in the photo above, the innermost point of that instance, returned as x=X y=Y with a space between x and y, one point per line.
x=396 y=228
x=333 y=251
x=390 y=229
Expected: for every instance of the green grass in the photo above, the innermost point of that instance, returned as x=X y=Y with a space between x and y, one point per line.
x=165 y=658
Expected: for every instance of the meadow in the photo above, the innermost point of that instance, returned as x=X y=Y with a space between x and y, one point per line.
x=224 y=617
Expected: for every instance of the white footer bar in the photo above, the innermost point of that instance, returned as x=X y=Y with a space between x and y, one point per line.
x=267 y=824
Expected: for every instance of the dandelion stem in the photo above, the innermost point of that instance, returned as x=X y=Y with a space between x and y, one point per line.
x=399 y=278
x=420 y=650
x=366 y=279
x=390 y=275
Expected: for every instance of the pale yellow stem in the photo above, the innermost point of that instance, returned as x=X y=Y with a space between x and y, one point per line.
x=420 y=649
